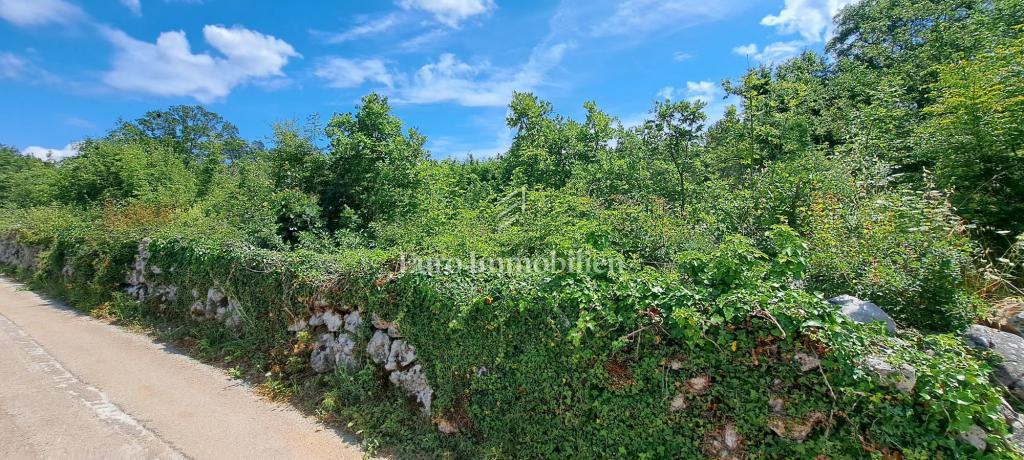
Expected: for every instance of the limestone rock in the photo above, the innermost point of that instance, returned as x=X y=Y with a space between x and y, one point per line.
x=166 y=294
x=332 y=320
x=414 y=382
x=446 y=427
x=678 y=402
x=1010 y=347
x=298 y=325
x=235 y=314
x=796 y=429
x=1016 y=423
x=904 y=378
x=807 y=362
x=214 y=296
x=379 y=347
x=1016 y=323
x=137 y=292
x=317 y=319
x=724 y=443
x=698 y=385
x=863 y=312
x=401 y=355
x=198 y=310
x=353 y=321
x=322 y=359
x=975 y=436
x=332 y=352
x=380 y=323
x=344 y=352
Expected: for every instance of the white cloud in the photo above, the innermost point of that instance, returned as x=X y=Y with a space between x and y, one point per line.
x=680 y=56
x=134 y=5
x=420 y=40
x=11 y=66
x=746 y=50
x=450 y=12
x=14 y=67
x=812 y=19
x=46 y=154
x=451 y=80
x=780 y=51
x=79 y=123
x=772 y=53
x=705 y=91
x=169 y=68
x=349 y=73
x=632 y=16
x=449 y=147
x=710 y=93
x=364 y=29
x=38 y=12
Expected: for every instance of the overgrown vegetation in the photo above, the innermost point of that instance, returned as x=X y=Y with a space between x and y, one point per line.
x=891 y=169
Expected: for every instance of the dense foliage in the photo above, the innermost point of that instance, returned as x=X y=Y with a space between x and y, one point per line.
x=891 y=169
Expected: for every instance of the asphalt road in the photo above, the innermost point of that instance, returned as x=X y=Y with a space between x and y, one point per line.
x=75 y=387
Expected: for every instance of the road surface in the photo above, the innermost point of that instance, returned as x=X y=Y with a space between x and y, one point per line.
x=75 y=387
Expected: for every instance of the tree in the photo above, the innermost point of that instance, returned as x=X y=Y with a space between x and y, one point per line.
x=548 y=148
x=295 y=162
x=371 y=167
x=674 y=134
x=975 y=138
x=190 y=131
x=120 y=172
x=25 y=181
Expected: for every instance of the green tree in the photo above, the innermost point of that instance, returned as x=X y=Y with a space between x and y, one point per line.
x=371 y=167
x=975 y=136
x=674 y=134
x=25 y=181
x=190 y=131
x=547 y=148
x=117 y=171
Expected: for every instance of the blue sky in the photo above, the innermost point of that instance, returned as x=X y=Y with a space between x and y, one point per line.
x=70 y=68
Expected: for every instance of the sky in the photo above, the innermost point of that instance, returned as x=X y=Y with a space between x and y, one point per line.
x=69 y=69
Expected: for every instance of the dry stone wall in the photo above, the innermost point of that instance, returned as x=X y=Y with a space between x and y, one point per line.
x=17 y=255
x=335 y=328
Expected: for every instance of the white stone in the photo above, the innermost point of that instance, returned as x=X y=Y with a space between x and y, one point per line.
x=446 y=427
x=380 y=323
x=214 y=296
x=975 y=436
x=198 y=309
x=298 y=325
x=353 y=321
x=904 y=378
x=806 y=361
x=332 y=320
x=698 y=385
x=379 y=347
x=401 y=355
x=344 y=352
x=234 y=314
x=323 y=358
x=678 y=402
x=414 y=382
